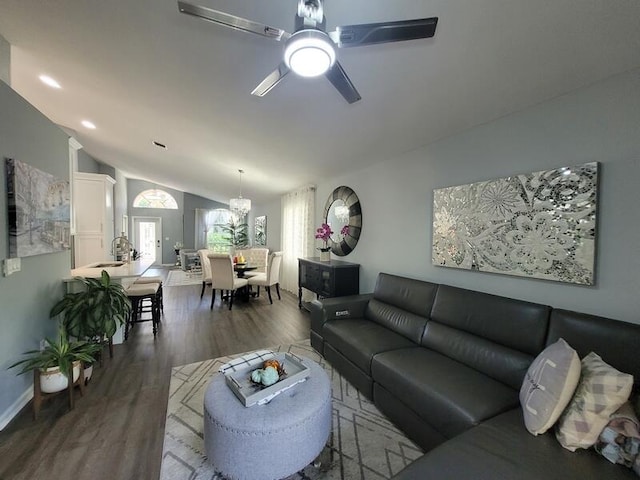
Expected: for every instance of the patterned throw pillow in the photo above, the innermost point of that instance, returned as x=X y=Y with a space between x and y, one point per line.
x=548 y=386
x=601 y=391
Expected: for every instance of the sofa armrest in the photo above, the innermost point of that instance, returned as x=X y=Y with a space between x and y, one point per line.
x=352 y=306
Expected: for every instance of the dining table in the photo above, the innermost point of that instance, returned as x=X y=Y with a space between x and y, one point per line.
x=242 y=268
x=244 y=293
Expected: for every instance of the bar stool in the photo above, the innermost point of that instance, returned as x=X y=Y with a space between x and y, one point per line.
x=153 y=279
x=138 y=293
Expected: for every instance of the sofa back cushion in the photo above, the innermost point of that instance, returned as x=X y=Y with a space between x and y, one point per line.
x=401 y=304
x=498 y=336
x=494 y=360
x=615 y=341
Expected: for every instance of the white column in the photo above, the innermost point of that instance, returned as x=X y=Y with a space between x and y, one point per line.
x=5 y=61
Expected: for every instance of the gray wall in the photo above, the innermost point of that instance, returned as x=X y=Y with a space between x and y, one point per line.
x=274 y=223
x=597 y=123
x=27 y=296
x=86 y=163
x=172 y=220
x=191 y=202
x=107 y=170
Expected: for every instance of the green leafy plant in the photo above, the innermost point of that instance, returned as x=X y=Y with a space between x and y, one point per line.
x=97 y=311
x=236 y=233
x=61 y=353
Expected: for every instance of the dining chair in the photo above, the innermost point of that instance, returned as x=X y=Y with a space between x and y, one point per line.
x=257 y=257
x=206 y=269
x=270 y=277
x=223 y=277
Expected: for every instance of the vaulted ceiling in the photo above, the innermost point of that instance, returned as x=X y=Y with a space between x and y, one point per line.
x=143 y=72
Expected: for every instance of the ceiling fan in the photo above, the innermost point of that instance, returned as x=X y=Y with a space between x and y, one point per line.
x=311 y=51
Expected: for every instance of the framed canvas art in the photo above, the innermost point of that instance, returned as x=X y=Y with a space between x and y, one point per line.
x=260 y=231
x=38 y=211
x=539 y=225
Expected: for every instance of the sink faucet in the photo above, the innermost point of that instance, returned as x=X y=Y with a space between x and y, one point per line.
x=121 y=248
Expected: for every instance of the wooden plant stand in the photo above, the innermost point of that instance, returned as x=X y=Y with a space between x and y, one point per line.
x=39 y=397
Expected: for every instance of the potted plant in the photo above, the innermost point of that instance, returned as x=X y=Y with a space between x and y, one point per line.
x=324 y=233
x=95 y=313
x=57 y=361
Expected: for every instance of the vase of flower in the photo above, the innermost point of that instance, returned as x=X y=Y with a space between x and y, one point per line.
x=324 y=233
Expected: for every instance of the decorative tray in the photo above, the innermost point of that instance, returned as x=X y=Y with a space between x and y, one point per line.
x=250 y=393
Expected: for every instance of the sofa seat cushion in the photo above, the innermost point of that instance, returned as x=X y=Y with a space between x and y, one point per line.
x=447 y=394
x=359 y=340
x=502 y=448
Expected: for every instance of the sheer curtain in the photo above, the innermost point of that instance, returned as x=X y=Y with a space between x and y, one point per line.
x=298 y=211
x=201 y=228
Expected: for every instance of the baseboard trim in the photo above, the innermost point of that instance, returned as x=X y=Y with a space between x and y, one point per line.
x=14 y=409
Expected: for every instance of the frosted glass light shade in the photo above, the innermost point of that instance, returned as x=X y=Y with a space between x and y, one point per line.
x=240 y=205
x=309 y=53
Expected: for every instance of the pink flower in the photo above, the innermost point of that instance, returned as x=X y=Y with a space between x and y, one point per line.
x=324 y=232
x=344 y=231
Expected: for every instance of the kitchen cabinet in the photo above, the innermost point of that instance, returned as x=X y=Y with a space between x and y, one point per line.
x=93 y=212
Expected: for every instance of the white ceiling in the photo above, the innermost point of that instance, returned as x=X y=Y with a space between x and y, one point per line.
x=142 y=71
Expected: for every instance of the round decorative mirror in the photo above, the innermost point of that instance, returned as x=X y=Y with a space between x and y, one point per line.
x=343 y=214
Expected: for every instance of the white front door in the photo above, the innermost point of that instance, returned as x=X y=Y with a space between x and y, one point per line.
x=147 y=238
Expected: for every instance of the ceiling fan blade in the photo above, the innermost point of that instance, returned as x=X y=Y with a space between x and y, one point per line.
x=231 y=21
x=372 y=33
x=338 y=77
x=271 y=81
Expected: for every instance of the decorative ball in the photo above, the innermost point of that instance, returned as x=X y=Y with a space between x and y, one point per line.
x=256 y=375
x=271 y=363
x=269 y=376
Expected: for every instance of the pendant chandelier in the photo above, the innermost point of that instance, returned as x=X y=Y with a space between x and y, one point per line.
x=240 y=206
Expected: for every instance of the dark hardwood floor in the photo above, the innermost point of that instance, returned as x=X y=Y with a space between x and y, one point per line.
x=116 y=430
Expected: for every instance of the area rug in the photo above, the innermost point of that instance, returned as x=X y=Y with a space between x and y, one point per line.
x=178 y=278
x=364 y=444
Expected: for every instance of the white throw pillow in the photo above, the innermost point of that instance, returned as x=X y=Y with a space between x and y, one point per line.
x=601 y=391
x=548 y=386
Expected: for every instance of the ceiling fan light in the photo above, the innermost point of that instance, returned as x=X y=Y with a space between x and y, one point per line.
x=309 y=53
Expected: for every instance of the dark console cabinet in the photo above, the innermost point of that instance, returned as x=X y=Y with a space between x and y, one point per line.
x=334 y=278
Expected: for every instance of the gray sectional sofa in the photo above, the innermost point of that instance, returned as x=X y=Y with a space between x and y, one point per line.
x=446 y=365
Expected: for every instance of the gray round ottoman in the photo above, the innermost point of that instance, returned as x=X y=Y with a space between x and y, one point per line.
x=268 y=441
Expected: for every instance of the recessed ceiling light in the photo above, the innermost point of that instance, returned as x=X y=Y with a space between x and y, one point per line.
x=88 y=124
x=47 y=80
x=159 y=145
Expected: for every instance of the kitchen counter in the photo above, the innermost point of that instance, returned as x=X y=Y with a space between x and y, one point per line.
x=116 y=270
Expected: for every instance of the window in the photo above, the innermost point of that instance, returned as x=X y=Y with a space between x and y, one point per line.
x=155 y=198
x=217 y=222
x=219 y=230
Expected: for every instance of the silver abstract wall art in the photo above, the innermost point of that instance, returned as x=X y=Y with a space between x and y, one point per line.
x=38 y=207
x=539 y=225
x=260 y=231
